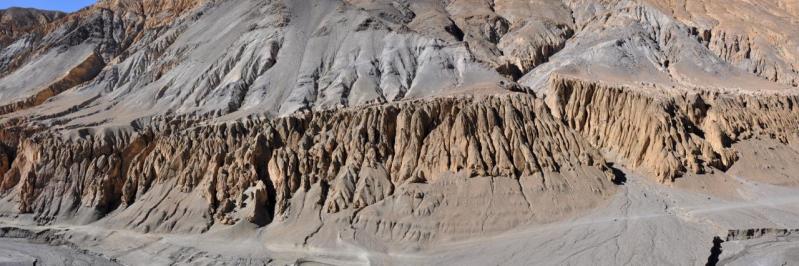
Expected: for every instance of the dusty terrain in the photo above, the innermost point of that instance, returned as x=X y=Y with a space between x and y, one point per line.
x=644 y=223
x=511 y=132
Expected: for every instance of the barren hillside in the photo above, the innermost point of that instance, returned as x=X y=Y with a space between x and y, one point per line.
x=402 y=132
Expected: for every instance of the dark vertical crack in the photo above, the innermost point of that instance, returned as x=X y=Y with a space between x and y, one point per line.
x=453 y=29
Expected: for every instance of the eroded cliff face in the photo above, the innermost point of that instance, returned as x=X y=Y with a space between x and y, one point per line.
x=403 y=121
x=394 y=164
x=763 y=46
x=754 y=233
x=250 y=171
x=668 y=131
x=84 y=71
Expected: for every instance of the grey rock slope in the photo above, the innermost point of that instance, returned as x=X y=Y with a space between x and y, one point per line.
x=374 y=130
x=271 y=57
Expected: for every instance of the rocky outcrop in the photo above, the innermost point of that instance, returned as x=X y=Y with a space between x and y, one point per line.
x=5 y=160
x=513 y=36
x=180 y=175
x=156 y=13
x=755 y=36
x=752 y=53
x=670 y=132
x=110 y=27
x=19 y=29
x=250 y=170
x=648 y=131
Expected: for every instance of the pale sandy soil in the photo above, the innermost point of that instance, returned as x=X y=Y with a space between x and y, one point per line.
x=23 y=252
x=645 y=224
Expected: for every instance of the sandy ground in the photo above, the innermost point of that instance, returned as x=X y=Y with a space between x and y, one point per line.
x=645 y=224
x=23 y=252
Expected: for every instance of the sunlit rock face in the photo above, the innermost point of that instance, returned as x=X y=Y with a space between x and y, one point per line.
x=376 y=128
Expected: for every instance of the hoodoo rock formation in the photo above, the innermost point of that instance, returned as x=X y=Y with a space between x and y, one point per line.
x=357 y=156
x=400 y=132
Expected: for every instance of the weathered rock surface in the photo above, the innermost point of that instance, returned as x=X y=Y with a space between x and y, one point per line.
x=15 y=22
x=762 y=46
x=360 y=156
x=319 y=124
x=669 y=132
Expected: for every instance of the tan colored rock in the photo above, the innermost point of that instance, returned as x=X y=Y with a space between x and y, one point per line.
x=396 y=122
x=363 y=154
x=670 y=132
x=258 y=198
x=730 y=30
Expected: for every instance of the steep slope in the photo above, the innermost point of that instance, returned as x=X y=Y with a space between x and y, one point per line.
x=765 y=46
x=16 y=22
x=356 y=158
x=391 y=126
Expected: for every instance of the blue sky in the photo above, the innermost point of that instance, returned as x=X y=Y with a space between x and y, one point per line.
x=63 y=5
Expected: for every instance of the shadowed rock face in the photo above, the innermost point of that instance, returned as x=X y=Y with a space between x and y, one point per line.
x=394 y=121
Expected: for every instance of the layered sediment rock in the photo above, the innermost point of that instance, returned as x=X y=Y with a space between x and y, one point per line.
x=5 y=160
x=762 y=46
x=251 y=169
x=754 y=54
